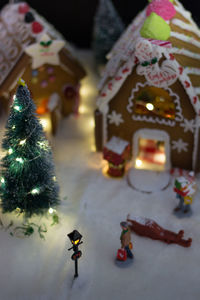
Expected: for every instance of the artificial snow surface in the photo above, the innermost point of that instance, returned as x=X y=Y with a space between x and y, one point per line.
x=33 y=269
x=148 y=181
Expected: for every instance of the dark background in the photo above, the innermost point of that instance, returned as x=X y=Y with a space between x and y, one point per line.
x=74 y=18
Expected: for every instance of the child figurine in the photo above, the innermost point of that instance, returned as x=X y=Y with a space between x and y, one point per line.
x=185 y=189
x=126 y=244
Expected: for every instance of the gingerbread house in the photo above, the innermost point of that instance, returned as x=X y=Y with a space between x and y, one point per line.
x=31 y=48
x=149 y=92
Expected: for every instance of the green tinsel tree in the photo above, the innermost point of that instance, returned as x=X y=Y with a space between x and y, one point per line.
x=28 y=181
x=107 y=29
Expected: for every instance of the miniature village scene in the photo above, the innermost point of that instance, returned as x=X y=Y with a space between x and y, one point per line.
x=100 y=156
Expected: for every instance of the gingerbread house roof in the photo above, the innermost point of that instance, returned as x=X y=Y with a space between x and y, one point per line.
x=16 y=35
x=182 y=48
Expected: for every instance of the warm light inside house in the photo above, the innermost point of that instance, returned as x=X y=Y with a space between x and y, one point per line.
x=86 y=89
x=151 y=155
x=138 y=163
x=82 y=109
x=155 y=101
x=91 y=122
x=149 y=106
x=46 y=123
x=105 y=167
x=42 y=106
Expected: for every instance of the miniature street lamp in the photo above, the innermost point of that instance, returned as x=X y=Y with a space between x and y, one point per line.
x=75 y=238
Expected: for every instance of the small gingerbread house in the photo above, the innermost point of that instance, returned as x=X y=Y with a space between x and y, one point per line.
x=32 y=49
x=149 y=92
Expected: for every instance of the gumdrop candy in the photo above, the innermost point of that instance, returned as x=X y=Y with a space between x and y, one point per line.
x=163 y=8
x=36 y=27
x=155 y=27
x=23 y=8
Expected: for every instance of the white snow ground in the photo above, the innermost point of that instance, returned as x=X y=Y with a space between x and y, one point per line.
x=33 y=269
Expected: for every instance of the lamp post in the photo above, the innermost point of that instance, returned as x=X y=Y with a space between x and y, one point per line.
x=75 y=238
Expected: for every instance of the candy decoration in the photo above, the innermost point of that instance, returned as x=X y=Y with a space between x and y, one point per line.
x=110 y=86
x=34 y=73
x=180 y=70
x=136 y=60
x=46 y=44
x=159 y=75
x=36 y=27
x=125 y=70
x=50 y=70
x=34 y=80
x=165 y=44
x=187 y=84
x=69 y=91
x=171 y=56
x=155 y=27
x=118 y=78
x=163 y=8
x=23 y=8
x=29 y=17
x=44 y=84
x=195 y=100
x=52 y=78
x=169 y=0
x=45 y=51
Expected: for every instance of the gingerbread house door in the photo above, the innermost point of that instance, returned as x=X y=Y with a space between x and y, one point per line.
x=151 y=150
x=151 y=161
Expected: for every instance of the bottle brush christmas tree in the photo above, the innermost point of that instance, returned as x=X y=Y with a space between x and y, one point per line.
x=108 y=27
x=28 y=181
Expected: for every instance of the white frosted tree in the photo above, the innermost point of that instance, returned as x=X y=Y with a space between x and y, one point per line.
x=108 y=27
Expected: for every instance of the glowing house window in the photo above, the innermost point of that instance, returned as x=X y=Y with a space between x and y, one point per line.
x=156 y=102
x=151 y=155
x=42 y=106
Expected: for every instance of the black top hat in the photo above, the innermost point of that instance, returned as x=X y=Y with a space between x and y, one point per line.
x=74 y=235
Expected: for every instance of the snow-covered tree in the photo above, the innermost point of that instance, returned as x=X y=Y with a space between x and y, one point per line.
x=27 y=182
x=108 y=27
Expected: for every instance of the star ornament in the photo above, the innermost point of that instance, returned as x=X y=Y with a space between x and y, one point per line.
x=45 y=51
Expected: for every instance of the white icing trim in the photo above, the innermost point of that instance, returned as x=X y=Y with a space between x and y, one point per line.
x=107 y=94
x=65 y=68
x=186 y=26
x=151 y=119
x=185 y=38
x=159 y=75
x=197 y=90
x=196 y=142
x=156 y=134
x=190 y=70
x=105 y=131
x=187 y=85
x=113 y=86
x=186 y=14
x=185 y=52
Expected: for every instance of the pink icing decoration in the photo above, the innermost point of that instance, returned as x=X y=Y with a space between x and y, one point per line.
x=163 y=8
